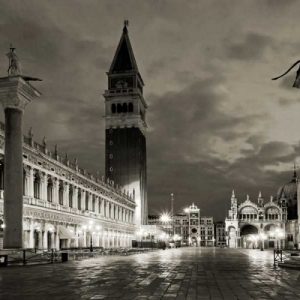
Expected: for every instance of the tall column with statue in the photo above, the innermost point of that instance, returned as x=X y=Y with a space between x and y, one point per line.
x=15 y=93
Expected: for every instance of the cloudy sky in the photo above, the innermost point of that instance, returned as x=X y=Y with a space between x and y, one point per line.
x=216 y=120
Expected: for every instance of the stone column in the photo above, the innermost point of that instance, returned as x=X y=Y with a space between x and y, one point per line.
x=26 y=180
x=75 y=197
x=43 y=184
x=52 y=246
x=15 y=93
x=40 y=245
x=66 y=194
x=83 y=200
x=45 y=239
x=55 y=190
x=31 y=233
x=30 y=183
x=57 y=240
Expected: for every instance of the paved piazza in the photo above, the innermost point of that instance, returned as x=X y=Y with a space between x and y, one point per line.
x=186 y=273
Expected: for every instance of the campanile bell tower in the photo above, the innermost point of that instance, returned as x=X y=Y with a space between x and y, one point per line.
x=125 y=141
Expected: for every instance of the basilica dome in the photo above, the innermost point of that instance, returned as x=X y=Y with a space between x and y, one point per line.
x=288 y=191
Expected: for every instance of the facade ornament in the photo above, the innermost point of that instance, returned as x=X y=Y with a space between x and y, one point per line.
x=30 y=136
x=45 y=144
x=66 y=160
x=55 y=152
x=233 y=194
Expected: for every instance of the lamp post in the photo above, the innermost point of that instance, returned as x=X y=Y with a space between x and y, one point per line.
x=172 y=212
x=279 y=234
x=262 y=237
x=91 y=228
x=166 y=219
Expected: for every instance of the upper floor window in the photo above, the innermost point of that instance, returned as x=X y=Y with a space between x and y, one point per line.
x=113 y=108
x=130 y=107
x=36 y=185
x=119 y=107
x=79 y=200
x=86 y=201
x=94 y=203
x=49 y=190
x=71 y=197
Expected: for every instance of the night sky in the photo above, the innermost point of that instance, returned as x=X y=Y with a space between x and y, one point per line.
x=216 y=120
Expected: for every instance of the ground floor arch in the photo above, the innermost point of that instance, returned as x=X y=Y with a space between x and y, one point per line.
x=249 y=236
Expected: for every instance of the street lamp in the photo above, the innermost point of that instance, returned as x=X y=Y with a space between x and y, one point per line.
x=279 y=235
x=91 y=228
x=166 y=219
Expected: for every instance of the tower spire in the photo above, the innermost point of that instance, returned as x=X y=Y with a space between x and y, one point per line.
x=124 y=60
x=295 y=176
x=126 y=24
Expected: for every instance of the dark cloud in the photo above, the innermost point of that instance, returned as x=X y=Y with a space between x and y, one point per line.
x=251 y=47
x=209 y=115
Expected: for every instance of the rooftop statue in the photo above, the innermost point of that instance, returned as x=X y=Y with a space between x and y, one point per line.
x=14 y=67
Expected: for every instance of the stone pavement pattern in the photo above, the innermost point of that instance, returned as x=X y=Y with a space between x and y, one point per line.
x=183 y=273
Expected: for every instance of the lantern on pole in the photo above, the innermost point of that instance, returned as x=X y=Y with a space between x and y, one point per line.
x=297 y=80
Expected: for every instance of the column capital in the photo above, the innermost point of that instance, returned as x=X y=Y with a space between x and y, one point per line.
x=16 y=92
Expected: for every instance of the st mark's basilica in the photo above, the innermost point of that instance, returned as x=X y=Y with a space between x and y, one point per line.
x=265 y=223
x=66 y=207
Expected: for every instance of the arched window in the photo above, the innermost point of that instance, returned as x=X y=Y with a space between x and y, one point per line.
x=113 y=108
x=130 y=107
x=61 y=193
x=125 y=107
x=86 y=201
x=49 y=190
x=119 y=108
x=79 y=199
x=94 y=204
x=71 y=196
x=99 y=206
x=1 y=225
x=109 y=211
x=36 y=185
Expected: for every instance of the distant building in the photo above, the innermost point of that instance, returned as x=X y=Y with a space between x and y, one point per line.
x=193 y=229
x=220 y=233
x=207 y=235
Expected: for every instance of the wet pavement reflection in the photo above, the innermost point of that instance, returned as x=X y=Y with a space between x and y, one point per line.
x=183 y=273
